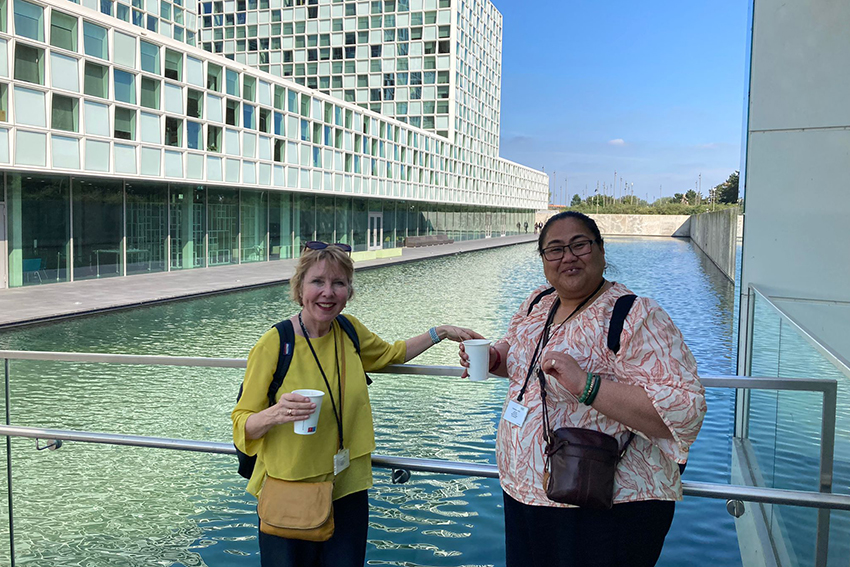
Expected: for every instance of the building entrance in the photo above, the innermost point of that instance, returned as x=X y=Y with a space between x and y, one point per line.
x=376 y=231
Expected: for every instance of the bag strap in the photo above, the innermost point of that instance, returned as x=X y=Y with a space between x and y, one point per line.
x=618 y=318
x=537 y=299
x=349 y=329
x=284 y=359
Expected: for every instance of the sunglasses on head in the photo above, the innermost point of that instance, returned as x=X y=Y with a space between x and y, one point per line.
x=319 y=245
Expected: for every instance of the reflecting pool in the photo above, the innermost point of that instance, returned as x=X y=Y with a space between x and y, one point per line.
x=101 y=505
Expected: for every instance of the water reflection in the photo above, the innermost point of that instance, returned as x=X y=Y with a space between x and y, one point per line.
x=125 y=506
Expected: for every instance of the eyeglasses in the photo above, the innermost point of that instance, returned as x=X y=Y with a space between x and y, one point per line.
x=580 y=248
x=319 y=245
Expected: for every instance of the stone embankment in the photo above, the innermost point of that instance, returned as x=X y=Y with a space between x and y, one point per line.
x=716 y=233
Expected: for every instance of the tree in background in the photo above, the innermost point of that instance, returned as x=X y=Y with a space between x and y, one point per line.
x=727 y=192
x=576 y=201
x=692 y=197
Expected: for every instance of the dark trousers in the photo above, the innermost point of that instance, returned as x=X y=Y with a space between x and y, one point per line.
x=346 y=548
x=628 y=535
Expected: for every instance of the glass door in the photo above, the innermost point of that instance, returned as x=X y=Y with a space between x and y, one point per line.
x=376 y=230
x=488 y=225
x=3 y=246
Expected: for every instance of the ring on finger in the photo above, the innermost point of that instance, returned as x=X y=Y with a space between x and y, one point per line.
x=289 y=411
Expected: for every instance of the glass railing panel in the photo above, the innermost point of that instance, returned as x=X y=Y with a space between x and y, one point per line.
x=5 y=551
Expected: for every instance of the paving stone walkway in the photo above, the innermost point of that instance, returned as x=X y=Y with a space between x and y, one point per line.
x=43 y=303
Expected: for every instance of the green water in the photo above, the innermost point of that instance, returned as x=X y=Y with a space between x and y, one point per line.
x=101 y=505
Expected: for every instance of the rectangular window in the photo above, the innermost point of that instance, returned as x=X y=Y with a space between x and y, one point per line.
x=232 y=80
x=231 y=116
x=213 y=138
x=265 y=120
x=195 y=104
x=95 y=80
x=248 y=112
x=94 y=40
x=66 y=114
x=249 y=87
x=29 y=20
x=150 y=93
x=29 y=64
x=125 y=123
x=4 y=103
x=173 y=65
x=194 y=135
x=214 y=77
x=125 y=87
x=173 y=131
x=150 y=57
x=63 y=31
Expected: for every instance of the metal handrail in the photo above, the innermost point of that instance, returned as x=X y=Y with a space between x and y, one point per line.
x=826 y=385
x=696 y=489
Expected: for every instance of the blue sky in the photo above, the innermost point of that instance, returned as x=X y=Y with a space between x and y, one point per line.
x=653 y=90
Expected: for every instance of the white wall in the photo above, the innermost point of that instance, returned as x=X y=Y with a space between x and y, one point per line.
x=797 y=214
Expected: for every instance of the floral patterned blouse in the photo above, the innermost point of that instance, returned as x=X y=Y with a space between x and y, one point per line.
x=652 y=355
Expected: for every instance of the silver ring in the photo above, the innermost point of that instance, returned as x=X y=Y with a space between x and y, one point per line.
x=289 y=411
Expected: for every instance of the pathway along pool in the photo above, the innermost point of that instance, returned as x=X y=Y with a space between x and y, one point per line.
x=101 y=505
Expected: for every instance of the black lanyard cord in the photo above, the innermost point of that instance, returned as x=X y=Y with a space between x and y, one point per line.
x=338 y=418
x=544 y=338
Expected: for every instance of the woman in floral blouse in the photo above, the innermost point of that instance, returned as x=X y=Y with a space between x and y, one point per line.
x=649 y=387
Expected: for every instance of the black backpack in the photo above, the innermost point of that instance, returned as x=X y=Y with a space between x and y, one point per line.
x=287 y=347
x=618 y=316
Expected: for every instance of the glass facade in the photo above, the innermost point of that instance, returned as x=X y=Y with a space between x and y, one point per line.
x=129 y=227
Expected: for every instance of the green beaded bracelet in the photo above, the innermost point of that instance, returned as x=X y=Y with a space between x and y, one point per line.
x=587 y=386
x=594 y=390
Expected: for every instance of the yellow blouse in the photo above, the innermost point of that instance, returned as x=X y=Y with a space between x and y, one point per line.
x=283 y=454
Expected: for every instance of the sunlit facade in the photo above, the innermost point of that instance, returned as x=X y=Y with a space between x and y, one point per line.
x=126 y=149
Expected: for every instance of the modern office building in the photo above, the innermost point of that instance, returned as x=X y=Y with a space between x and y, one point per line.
x=194 y=135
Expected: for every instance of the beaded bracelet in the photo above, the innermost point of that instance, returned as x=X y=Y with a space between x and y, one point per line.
x=587 y=387
x=434 y=337
x=498 y=362
x=593 y=390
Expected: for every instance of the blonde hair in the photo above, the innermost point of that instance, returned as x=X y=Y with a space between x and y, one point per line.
x=309 y=258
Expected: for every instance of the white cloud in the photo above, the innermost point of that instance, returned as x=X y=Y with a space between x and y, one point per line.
x=617 y=142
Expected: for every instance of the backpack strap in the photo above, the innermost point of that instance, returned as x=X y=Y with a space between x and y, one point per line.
x=537 y=299
x=348 y=327
x=284 y=359
x=618 y=317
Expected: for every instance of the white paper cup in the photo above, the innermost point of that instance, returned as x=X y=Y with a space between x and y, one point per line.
x=309 y=425
x=479 y=358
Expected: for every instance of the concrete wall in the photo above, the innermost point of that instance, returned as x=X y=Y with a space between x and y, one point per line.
x=635 y=225
x=716 y=234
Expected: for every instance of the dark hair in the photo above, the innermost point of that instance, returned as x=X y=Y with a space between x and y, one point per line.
x=588 y=222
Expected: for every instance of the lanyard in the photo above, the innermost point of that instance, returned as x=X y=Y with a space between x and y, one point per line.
x=338 y=418
x=544 y=338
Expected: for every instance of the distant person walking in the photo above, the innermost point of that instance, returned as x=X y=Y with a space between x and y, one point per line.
x=643 y=394
x=292 y=468
x=525 y=225
x=518 y=227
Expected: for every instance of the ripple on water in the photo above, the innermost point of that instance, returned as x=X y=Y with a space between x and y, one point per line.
x=101 y=505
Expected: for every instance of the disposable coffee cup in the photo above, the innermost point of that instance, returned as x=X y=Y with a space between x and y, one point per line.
x=479 y=358
x=309 y=425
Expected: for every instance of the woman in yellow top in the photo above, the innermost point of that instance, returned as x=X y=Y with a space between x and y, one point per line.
x=323 y=359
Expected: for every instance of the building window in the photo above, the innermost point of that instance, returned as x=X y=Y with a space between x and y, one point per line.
x=66 y=114
x=249 y=87
x=231 y=116
x=194 y=135
x=213 y=138
x=29 y=20
x=173 y=65
x=214 y=77
x=232 y=82
x=195 y=104
x=173 y=131
x=248 y=112
x=63 y=31
x=150 y=93
x=150 y=57
x=29 y=64
x=95 y=80
x=265 y=121
x=125 y=123
x=94 y=41
x=125 y=87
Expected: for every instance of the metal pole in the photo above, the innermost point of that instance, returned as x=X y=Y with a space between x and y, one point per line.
x=9 y=467
x=827 y=455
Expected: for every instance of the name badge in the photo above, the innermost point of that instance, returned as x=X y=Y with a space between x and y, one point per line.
x=341 y=461
x=515 y=413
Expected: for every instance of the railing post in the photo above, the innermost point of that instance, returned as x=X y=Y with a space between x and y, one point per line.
x=9 y=466
x=827 y=458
